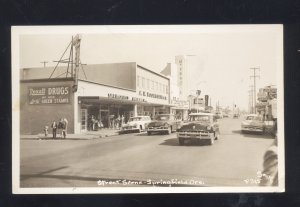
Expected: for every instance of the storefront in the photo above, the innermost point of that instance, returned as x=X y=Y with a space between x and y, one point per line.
x=43 y=100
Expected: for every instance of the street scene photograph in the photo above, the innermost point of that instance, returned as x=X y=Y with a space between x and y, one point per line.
x=134 y=109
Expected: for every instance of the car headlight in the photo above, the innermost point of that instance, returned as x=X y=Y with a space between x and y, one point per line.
x=135 y=125
x=208 y=127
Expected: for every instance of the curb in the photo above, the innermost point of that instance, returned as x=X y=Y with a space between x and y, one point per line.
x=77 y=137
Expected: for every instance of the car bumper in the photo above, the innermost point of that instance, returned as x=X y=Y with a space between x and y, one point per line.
x=158 y=129
x=252 y=129
x=191 y=135
x=128 y=130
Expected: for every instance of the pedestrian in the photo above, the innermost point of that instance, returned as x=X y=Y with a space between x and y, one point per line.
x=122 y=120
x=61 y=126
x=46 y=131
x=54 y=128
x=65 y=127
x=93 y=121
x=118 y=122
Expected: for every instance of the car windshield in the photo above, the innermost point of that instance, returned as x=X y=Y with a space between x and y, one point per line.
x=135 y=119
x=162 y=118
x=255 y=118
x=199 y=118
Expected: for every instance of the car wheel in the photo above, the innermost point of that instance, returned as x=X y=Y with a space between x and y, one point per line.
x=149 y=133
x=211 y=141
x=181 y=141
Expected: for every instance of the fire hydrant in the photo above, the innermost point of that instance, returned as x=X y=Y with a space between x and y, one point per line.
x=46 y=131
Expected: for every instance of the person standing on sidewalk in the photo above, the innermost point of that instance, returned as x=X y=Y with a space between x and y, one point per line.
x=65 y=127
x=54 y=128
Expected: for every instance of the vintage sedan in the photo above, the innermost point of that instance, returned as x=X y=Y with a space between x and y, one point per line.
x=253 y=123
x=200 y=126
x=135 y=124
x=166 y=123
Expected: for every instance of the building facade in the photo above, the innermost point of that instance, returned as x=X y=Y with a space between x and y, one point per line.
x=104 y=91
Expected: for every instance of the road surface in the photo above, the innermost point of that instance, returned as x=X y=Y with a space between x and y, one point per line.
x=141 y=160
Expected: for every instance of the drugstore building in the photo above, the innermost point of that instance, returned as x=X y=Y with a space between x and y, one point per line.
x=103 y=90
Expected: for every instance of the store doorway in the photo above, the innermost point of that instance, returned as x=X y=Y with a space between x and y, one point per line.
x=103 y=116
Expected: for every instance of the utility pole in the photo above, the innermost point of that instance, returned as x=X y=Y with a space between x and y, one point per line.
x=44 y=62
x=254 y=76
x=251 y=98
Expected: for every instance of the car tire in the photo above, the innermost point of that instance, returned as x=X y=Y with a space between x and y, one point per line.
x=181 y=141
x=149 y=133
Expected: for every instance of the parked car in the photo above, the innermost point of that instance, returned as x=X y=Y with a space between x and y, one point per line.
x=200 y=126
x=135 y=124
x=253 y=123
x=166 y=123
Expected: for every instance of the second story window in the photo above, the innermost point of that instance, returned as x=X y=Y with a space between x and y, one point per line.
x=143 y=82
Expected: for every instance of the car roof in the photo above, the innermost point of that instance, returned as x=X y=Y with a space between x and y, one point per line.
x=139 y=116
x=201 y=113
x=164 y=114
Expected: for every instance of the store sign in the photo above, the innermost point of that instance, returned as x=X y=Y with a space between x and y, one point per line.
x=116 y=96
x=152 y=95
x=49 y=95
x=262 y=96
x=138 y=99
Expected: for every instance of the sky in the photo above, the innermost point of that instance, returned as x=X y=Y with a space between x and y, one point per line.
x=219 y=61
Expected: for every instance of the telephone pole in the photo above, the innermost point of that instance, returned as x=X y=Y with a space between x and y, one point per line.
x=251 y=98
x=44 y=62
x=254 y=76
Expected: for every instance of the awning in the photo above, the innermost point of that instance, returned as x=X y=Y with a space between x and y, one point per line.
x=105 y=100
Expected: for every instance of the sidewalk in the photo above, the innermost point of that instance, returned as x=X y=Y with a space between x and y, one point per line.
x=84 y=136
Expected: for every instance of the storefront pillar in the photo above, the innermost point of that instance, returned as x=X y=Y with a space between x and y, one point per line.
x=135 y=110
x=153 y=112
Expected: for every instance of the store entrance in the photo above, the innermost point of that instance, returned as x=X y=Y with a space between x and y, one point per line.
x=103 y=116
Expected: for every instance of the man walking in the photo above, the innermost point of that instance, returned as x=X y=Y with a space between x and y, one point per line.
x=54 y=128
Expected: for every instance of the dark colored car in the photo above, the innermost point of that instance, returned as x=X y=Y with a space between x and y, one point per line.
x=200 y=126
x=165 y=123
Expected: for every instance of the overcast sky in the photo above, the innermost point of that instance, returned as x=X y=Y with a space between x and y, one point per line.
x=220 y=65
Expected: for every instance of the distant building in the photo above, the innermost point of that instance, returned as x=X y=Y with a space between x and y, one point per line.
x=179 y=103
x=182 y=76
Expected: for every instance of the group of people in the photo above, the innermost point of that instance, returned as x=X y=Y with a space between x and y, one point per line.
x=116 y=122
x=62 y=125
x=94 y=124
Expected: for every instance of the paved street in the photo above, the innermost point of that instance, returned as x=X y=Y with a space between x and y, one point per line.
x=131 y=159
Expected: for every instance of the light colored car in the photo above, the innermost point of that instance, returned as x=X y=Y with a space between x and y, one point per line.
x=200 y=126
x=135 y=124
x=253 y=123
